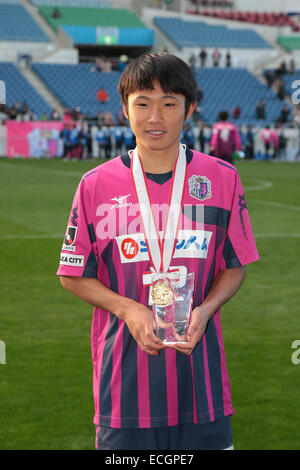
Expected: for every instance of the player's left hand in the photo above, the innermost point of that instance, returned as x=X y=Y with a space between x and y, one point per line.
x=196 y=329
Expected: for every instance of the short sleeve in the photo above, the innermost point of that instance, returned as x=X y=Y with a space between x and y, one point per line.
x=239 y=247
x=79 y=255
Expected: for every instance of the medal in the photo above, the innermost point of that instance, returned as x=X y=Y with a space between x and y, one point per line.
x=162 y=293
x=160 y=249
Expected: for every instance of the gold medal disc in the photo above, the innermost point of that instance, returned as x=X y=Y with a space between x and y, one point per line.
x=162 y=294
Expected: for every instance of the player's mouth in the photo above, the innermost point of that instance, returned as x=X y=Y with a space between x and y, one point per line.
x=155 y=134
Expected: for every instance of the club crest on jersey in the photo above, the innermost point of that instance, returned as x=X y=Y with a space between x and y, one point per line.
x=200 y=187
x=70 y=238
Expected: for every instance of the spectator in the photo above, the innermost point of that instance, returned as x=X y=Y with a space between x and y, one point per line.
x=65 y=136
x=228 y=59
x=202 y=57
x=216 y=57
x=197 y=114
x=56 y=13
x=44 y=117
x=106 y=65
x=199 y=95
x=202 y=137
x=269 y=76
x=192 y=61
x=187 y=135
x=129 y=139
x=292 y=67
x=108 y=119
x=121 y=120
x=117 y=132
x=107 y=142
x=281 y=90
x=77 y=114
x=67 y=115
x=100 y=137
x=284 y=115
x=14 y=111
x=260 y=110
x=102 y=95
x=99 y=64
x=249 y=145
x=4 y=113
x=236 y=112
x=296 y=116
x=282 y=145
x=54 y=115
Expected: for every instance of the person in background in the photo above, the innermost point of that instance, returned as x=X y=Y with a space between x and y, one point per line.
x=249 y=145
x=225 y=138
x=271 y=142
x=202 y=57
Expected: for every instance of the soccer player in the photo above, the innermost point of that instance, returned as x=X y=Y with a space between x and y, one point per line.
x=225 y=138
x=148 y=394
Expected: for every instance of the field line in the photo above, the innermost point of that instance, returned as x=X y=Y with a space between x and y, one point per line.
x=264 y=184
x=276 y=204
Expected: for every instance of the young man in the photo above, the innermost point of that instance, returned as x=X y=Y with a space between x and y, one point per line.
x=149 y=395
x=225 y=138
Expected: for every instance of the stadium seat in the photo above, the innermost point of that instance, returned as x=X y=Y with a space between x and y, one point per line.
x=17 y=25
x=199 y=34
x=19 y=89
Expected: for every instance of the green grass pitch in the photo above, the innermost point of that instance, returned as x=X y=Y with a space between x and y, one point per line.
x=46 y=399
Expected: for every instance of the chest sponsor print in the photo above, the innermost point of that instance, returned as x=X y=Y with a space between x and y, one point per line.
x=190 y=244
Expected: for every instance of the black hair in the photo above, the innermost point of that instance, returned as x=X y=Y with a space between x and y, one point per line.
x=223 y=115
x=168 y=70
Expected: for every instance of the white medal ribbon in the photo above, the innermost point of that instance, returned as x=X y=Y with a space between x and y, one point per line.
x=160 y=249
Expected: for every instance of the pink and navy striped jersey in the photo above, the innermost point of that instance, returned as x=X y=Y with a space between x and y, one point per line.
x=225 y=139
x=104 y=240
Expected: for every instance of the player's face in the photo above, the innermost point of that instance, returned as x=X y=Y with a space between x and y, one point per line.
x=156 y=118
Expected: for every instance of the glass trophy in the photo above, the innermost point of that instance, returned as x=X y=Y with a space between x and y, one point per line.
x=172 y=299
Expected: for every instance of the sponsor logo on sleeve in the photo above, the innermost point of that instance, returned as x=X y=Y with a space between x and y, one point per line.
x=67 y=259
x=70 y=239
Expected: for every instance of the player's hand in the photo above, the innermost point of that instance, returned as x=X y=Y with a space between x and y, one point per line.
x=142 y=326
x=196 y=329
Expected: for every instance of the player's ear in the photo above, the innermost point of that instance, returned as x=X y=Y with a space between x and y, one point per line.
x=190 y=110
x=125 y=111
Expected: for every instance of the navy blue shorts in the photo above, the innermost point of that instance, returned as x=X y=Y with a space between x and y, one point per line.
x=216 y=435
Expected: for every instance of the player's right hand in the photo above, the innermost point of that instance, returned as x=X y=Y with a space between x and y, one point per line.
x=142 y=326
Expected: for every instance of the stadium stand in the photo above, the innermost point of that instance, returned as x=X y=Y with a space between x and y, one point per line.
x=107 y=26
x=18 y=89
x=227 y=88
x=262 y=18
x=73 y=3
x=289 y=43
x=77 y=85
x=91 y=17
x=16 y=24
x=222 y=88
x=199 y=34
